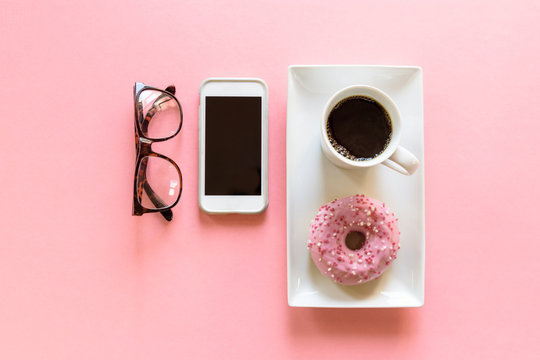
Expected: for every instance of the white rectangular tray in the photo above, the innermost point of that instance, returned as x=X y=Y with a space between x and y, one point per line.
x=313 y=181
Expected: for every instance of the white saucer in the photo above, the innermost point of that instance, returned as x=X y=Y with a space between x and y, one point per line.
x=313 y=181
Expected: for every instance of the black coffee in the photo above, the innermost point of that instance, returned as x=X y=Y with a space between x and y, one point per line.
x=359 y=128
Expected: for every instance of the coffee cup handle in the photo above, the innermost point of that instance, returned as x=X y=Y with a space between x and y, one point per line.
x=402 y=161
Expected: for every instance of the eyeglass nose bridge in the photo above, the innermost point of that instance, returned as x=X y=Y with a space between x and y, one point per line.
x=145 y=146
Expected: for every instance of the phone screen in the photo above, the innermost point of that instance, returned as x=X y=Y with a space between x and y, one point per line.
x=233 y=145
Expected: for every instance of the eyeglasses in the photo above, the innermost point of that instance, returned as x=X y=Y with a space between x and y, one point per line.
x=158 y=180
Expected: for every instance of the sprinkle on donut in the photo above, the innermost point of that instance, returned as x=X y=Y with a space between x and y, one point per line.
x=354 y=239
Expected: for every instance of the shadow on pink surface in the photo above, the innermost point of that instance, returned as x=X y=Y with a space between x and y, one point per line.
x=350 y=322
x=231 y=220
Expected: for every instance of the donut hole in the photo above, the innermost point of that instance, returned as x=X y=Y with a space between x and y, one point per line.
x=355 y=240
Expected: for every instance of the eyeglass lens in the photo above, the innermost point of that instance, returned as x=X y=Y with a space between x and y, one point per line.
x=160 y=180
x=161 y=116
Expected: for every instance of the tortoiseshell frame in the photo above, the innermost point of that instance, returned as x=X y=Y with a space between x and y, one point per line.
x=144 y=148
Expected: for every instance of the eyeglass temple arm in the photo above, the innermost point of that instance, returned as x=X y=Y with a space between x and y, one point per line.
x=156 y=200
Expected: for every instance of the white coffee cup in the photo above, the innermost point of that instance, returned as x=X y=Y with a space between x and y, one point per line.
x=394 y=156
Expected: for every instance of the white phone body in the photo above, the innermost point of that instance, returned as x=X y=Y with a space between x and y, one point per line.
x=233 y=132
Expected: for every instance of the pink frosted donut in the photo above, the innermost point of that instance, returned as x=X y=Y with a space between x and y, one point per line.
x=354 y=239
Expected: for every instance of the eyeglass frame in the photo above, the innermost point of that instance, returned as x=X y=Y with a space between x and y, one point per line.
x=143 y=145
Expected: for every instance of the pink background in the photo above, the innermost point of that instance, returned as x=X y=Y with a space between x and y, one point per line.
x=80 y=278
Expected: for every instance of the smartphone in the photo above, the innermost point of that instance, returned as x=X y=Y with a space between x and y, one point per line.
x=233 y=145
